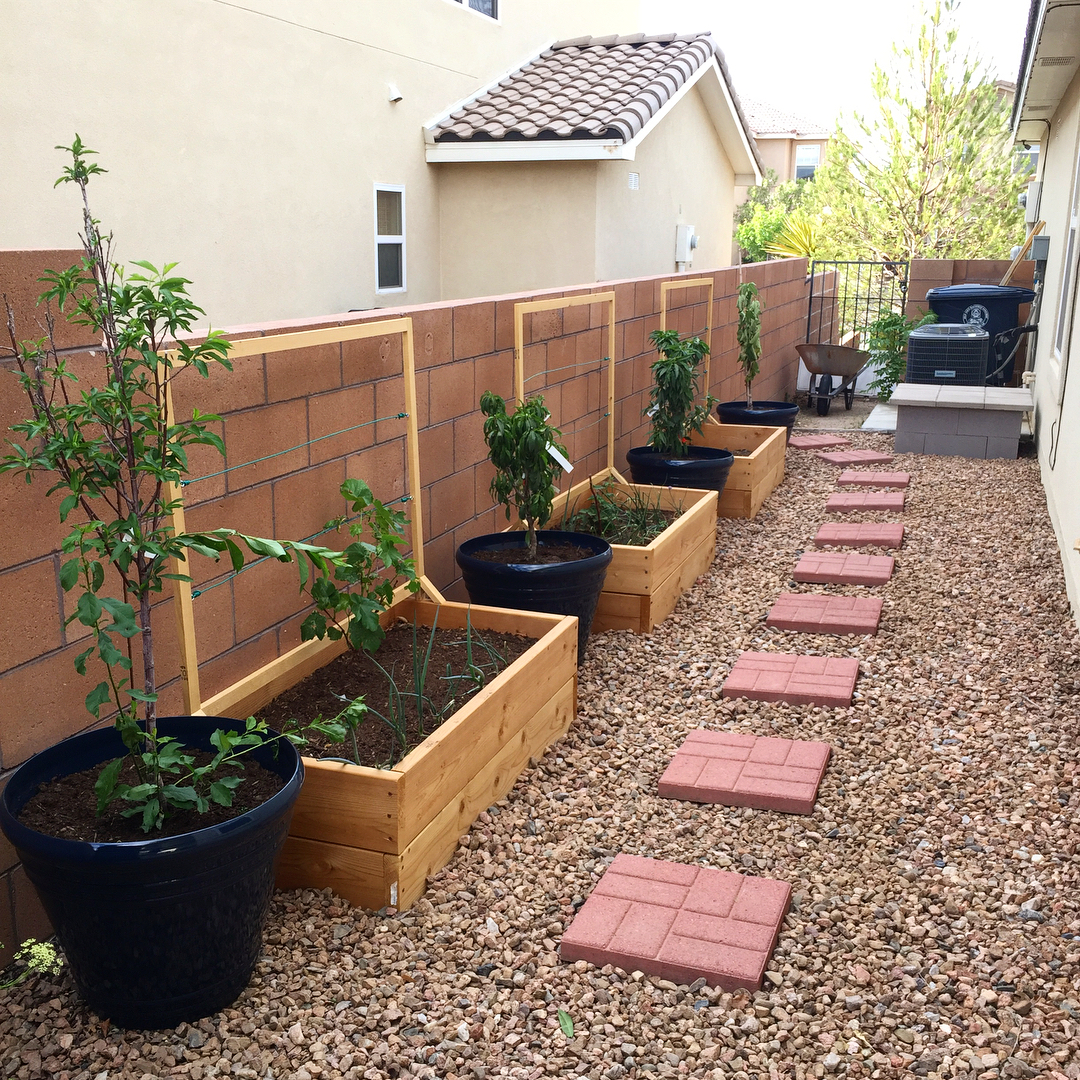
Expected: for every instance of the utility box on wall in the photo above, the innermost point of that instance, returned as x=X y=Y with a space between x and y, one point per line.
x=686 y=239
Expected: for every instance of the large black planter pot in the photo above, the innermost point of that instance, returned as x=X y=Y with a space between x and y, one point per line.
x=571 y=588
x=763 y=414
x=705 y=468
x=158 y=931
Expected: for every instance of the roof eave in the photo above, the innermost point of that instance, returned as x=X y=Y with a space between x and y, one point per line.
x=530 y=150
x=1053 y=34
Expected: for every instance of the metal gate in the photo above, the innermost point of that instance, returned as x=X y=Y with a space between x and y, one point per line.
x=846 y=297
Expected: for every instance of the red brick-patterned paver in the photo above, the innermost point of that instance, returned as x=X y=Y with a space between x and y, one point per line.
x=746 y=770
x=797 y=680
x=888 y=534
x=844 y=568
x=866 y=478
x=850 y=502
x=680 y=922
x=811 y=613
x=817 y=442
x=855 y=457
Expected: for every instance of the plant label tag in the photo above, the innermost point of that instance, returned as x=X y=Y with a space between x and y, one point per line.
x=563 y=462
x=650 y=413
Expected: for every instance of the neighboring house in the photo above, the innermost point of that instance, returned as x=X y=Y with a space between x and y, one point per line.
x=790 y=145
x=1046 y=112
x=602 y=158
x=293 y=157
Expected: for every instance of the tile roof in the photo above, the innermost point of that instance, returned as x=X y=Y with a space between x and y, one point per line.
x=763 y=119
x=584 y=88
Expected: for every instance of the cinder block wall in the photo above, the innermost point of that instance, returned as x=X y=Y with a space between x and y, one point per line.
x=272 y=406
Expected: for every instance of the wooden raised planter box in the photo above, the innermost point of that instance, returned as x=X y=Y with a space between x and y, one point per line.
x=752 y=479
x=375 y=835
x=643 y=584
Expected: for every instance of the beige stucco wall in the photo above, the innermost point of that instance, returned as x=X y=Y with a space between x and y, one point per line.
x=685 y=178
x=1057 y=416
x=512 y=227
x=246 y=146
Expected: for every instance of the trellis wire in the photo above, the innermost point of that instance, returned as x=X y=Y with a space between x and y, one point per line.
x=278 y=453
x=307 y=539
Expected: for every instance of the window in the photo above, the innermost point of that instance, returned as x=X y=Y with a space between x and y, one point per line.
x=490 y=8
x=389 y=239
x=807 y=159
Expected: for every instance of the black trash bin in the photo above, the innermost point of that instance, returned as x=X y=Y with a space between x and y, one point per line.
x=993 y=308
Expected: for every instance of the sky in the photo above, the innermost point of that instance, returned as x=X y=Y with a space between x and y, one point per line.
x=813 y=58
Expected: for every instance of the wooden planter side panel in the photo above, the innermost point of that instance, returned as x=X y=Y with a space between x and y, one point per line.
x=362 y=877
x=374 y=879
x=435 y=845
x=445 y=762
x=752 y=479
x=350 y=804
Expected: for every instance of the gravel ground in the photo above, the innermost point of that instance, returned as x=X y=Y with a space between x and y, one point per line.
x=935 y=929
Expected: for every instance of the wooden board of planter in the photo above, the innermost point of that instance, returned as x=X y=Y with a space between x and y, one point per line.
x=754 y=477
x=643 y=584
x=376 y=835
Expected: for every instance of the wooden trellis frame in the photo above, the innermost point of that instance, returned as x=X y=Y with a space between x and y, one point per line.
x=261 y=686
x=527 y=307
x=693 y=283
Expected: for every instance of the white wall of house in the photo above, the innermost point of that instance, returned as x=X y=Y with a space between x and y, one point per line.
x=1057 y=369
x=685 y=178
x=247 y=143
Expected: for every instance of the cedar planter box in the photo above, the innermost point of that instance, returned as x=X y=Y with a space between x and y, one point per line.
x=643 y=584
x=375 y=835
x=752 y=479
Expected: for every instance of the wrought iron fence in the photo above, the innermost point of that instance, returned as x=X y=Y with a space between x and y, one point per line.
x=847 y=296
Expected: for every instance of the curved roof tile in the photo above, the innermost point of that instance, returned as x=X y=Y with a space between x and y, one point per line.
x=583 y=88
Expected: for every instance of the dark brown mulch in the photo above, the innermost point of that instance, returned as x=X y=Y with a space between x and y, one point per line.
x=327 y=692
x=66 y=807
x=545 y=553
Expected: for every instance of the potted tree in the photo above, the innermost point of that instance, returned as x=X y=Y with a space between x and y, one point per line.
x=157 y=893
x=535 y=569
x=748 y=334
x=669 y=459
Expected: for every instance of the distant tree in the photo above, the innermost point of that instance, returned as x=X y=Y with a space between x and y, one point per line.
x=760 y=219
x=932 y=174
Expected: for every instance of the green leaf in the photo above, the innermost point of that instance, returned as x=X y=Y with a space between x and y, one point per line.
x=124 y=622
x=221 y=791
x=105 y=785
x=69 y=574
x=96 y=698
x=566 y=1022
x=89 y=609
x=67 y=504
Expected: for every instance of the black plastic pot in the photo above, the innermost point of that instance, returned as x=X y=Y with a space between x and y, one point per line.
x=763 y=414
x=569 y=588
x=706 y=467
x=158 y=931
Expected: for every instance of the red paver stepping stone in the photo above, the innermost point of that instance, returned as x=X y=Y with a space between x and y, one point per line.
x=746 y=770
x=888 y=534
x=812 y=613
x=817 y=442
x=865 y=478
x=844 y=568
x=849 y=502
x=797 y=680
x=680 y=922
x=856 y=457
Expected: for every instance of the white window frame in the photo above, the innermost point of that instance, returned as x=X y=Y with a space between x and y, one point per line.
x=468 y=7
x=394 y=239
x=1070 y=268
x=815 y=165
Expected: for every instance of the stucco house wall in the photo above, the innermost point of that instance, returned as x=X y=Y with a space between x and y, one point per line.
x=516 y=226
x=685 y=177
x=1057 y=398
x=246 y=143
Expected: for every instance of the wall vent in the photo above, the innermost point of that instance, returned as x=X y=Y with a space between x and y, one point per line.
x=1037 y=108
x=634 y=181
x=1057 y=61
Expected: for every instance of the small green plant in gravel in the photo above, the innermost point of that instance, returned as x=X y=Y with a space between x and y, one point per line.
x=37 y=958
x=672 y=410
x=887 y=340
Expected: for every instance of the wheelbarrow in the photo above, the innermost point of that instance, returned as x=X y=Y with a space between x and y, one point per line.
x=833 y=368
